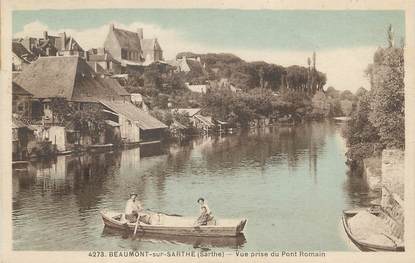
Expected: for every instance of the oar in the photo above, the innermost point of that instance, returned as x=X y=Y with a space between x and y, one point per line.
x=136 y=226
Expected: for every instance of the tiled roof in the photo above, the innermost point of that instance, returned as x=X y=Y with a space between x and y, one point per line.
x=115 y=86
x=102 y=57
x=131 y=112
x=22 y=52
x=18 y=90
x=195 y=65
x=69 y=77
x=127 y=39
x=206 y=120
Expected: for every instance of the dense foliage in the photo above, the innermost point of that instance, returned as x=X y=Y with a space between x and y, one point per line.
x=378 y=120
x=88 y=119
x=249 y=75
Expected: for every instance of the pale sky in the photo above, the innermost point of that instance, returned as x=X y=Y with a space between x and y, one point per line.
x=344 y=41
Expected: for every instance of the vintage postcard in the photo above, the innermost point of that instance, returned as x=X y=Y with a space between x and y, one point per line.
x=217 y=131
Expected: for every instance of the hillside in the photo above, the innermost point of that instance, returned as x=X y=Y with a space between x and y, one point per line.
x=249 y=75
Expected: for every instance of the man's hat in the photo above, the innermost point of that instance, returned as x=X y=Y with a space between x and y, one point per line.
x=133 y=193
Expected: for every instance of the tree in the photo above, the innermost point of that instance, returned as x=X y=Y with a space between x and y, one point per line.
x=387 y=104
x=378 y=121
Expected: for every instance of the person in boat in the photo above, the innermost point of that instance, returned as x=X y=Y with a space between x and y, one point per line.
x=132 y=208
x=206 y=216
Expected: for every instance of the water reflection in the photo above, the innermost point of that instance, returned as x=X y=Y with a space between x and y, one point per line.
x=283 y=179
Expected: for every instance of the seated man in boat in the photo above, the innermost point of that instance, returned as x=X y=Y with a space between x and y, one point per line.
x=132 y=208
x=205 y=217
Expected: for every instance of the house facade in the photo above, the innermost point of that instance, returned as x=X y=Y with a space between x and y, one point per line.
x=135 y=125
x=124 y=46
x=52 y=80
x=131 y=48
x=21 y=101
x=151 y=50
x=102 y=62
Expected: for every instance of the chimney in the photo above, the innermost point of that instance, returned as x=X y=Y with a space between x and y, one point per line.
x=140 y=33
x=63 y=40
x=45 y=35
x=111 y=27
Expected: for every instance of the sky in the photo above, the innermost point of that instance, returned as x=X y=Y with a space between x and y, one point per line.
x=344 y=41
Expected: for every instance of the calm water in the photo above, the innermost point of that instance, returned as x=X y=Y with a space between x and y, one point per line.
x=290 y=182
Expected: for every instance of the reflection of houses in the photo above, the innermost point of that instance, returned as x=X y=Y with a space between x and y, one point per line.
x=203 y=123
x=178 y=130
x=21 y=135
x=101 y=61
x=21 y=101
x=21 y=57
x=135 y=124
x=260 y=121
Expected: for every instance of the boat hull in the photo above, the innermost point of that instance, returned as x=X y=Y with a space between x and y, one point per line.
x=230 y=229
x=363 y=246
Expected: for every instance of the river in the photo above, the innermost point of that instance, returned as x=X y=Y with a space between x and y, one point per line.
x=291 y=183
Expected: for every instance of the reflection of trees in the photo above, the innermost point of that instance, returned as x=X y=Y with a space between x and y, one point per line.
x=358 y=191
x=261 y=145
x=91 y=172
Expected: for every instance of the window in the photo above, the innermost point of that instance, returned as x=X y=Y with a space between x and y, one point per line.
x=124 y=53
x=20 y=107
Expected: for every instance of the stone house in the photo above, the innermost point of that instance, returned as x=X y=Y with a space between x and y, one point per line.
x=151 y=49
x=67 y=78
x=130 y=48
x=187 y=64
x=124 y=46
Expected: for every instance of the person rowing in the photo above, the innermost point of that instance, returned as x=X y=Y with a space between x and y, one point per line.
x=133 y=208
x=206 y=216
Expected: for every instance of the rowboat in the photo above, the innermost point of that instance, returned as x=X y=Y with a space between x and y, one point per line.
x=361 y=244
x=161 y=223
x=235 y=242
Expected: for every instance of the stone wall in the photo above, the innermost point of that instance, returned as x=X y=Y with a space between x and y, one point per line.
x=393 y=176
x=373 y=172
x=393 y=172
